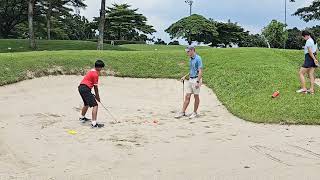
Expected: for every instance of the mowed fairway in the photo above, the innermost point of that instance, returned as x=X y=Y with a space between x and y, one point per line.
x=21 y=45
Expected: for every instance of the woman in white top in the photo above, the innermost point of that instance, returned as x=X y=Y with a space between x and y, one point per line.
x=310 y=62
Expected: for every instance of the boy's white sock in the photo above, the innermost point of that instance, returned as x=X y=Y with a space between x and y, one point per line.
x=82 y=116
x=94 y=123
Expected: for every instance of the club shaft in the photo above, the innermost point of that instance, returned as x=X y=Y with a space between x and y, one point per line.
x=183 y=91
x=108 y=111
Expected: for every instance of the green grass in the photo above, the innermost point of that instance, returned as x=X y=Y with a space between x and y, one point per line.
x=22 y=45
x=243 y=79
x=139 y=47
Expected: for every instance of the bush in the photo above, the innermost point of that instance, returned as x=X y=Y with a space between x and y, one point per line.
x=174 y=43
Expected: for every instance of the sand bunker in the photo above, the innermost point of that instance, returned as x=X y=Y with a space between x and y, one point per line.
x=149 y=143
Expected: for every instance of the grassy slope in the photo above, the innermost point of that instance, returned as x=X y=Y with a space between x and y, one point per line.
x=21 y=45
x=243 y=79
x=139 y=47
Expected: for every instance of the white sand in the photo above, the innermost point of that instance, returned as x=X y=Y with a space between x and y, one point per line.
x=36 y=115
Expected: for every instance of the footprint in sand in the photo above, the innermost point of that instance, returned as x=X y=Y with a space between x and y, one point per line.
x=180 y=136
x=55 y=115
x=138 y=145
x=44 y=115
x=113 y=122
x=43 y=119
x=209 y=132
x=185 y=136
x=205 y=121
x=123 y=146
x=77 y=109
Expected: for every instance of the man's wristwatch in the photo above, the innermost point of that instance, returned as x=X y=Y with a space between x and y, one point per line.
x=198 y=81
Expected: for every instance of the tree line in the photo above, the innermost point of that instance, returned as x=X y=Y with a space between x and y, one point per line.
x=279 y=37
x=56 y=19
x=197 y=28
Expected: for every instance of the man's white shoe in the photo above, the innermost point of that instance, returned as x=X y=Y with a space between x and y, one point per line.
x=302 y=91
x=180 y=115
x=193 y=115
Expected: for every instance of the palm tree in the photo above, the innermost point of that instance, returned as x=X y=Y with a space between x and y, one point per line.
x=101 y=24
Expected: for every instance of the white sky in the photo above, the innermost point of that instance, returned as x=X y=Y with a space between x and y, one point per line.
x=253 y=15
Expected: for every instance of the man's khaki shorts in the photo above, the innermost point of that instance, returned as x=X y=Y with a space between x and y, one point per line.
x=191 y=87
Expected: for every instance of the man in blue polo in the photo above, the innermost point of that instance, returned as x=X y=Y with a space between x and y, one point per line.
x=194 y=83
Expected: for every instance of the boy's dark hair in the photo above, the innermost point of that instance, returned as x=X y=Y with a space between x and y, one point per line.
x=307 y=33
x=99 y=64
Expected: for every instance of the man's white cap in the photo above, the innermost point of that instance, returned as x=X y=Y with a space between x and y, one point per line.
x=190 y=47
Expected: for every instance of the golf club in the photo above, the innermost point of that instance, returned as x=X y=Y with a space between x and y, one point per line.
x=109 y=112
x=114 y=119
x=182 y=91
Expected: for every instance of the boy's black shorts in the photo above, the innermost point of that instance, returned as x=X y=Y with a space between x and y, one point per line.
x=87 y=97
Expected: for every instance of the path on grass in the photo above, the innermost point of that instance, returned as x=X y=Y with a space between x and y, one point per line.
x=148 y=143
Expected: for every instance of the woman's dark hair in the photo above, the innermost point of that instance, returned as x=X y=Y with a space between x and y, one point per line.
x=307 y=33
x=99 y=64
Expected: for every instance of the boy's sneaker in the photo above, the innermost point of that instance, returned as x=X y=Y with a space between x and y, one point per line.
x=193 y=115
x=180 y=115
x=97 y=125
x=84 y=120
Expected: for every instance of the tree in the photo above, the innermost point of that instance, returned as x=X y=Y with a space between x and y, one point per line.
x=315 y=30
x=228 y=33
x=160 y=42
x=47 y=17
x=309 y=13
x=253 y=40
x=31 y=4
x=294 y=40
x=12 y=13
x=78 y=28
x=125 y=23
x=276 y=34
x=174 y=43
x=193 y=28
x=102 y=24
x=58 y=8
